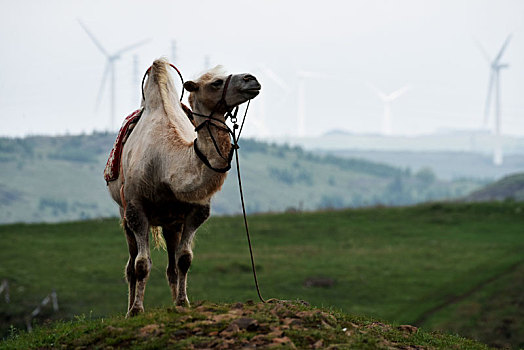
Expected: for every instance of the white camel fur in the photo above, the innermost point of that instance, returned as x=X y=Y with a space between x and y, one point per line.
x=164 y=182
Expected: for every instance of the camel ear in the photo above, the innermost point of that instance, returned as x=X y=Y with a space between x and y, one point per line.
x=190 y=86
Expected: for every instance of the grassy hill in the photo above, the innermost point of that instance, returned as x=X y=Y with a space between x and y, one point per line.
x=509 y=188
x=60 y=178
x=233 y=326
x=456 y=267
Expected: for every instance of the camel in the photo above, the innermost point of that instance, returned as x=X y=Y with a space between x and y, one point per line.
x=163 y=182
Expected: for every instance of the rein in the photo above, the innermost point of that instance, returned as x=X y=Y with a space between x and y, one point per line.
x=231 y=112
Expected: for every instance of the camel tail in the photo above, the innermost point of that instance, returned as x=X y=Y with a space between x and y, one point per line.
x=156 y=232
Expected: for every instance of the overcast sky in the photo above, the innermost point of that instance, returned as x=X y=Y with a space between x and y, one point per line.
x=51 y=70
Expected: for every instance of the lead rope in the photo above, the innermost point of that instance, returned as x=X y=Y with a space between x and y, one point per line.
x=236 y=147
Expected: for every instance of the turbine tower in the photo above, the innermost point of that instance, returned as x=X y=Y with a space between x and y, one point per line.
x=268 y=73
x=388 y=99
x=494 y=89
x=301 y=98
x=173 y=51
x=135 y=81
x=110 y=69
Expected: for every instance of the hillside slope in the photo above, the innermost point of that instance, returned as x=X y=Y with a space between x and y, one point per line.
x=455 y=267
x=510 y=187
x=446 y=165
x=242 y=325
x=54 y=179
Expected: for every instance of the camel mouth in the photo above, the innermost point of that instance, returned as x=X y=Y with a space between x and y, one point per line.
x=252 y=91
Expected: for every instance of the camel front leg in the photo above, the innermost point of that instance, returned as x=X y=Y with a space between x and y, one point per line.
x=130 y=266
x=184 y=252
x=172 y=234
x=137 y=222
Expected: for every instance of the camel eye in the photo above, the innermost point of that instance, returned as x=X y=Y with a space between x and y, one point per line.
x=217 y=83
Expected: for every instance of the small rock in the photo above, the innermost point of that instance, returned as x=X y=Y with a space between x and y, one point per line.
x=180 y=333
x=181 y=309
x=238 y=305
x=318 y=345
x=230 y=331
x=283 y=341
x=292 y=322
x=259 y=339
x=115 y=329
x=221 y=317
x=407 y=328
x=150 y=329
x=246 y=323
x=275 y=332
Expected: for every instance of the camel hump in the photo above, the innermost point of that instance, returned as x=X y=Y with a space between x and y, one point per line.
x=159 y=91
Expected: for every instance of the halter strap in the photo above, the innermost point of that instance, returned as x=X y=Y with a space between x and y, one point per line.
x=172 y=66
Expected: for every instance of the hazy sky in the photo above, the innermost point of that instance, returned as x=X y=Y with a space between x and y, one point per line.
x=51 y=70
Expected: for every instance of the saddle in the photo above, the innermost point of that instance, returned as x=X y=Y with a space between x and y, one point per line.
x=112 y=169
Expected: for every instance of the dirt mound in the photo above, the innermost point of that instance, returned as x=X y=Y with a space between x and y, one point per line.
x=277 y=324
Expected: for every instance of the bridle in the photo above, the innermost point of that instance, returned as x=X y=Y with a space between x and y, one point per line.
x=210 y=120
x=231 y=112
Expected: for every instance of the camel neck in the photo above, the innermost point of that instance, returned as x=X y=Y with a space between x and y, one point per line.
x=214 y=142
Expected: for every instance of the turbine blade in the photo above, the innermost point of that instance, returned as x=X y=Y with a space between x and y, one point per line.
x=380 y=94
x=306 y=74
x=132 y=46
x=276 y=79
x=488 y=98
x=396 y=94
x=482 y=50
x=102 y=84
x=503 y=48
x=97 y=44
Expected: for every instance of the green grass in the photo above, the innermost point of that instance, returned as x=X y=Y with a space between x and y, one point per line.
x=234 y=326
x=394 y=264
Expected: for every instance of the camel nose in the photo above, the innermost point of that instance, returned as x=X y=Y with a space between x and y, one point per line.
x=248 y=77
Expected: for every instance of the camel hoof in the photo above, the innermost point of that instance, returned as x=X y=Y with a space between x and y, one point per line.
x=134 y=311
x=184 y=303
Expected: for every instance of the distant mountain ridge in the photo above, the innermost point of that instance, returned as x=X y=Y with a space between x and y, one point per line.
x=508 y=188
x=60 y=178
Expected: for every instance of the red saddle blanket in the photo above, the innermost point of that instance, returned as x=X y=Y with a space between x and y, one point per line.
x=112 y=169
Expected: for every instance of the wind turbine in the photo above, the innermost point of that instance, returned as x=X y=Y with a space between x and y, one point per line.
x=494 y=88
x=301 y=99
x=268 y=73
x=173 y=51
x=207 y=62
x=135 y=81
x=388 y=99
x=110 y=68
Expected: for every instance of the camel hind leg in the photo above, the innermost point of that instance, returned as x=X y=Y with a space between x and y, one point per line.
x=184 y=252
x=172 y=234
x=138 y=224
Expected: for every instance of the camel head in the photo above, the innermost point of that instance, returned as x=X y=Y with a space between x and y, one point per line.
x=207 y=91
